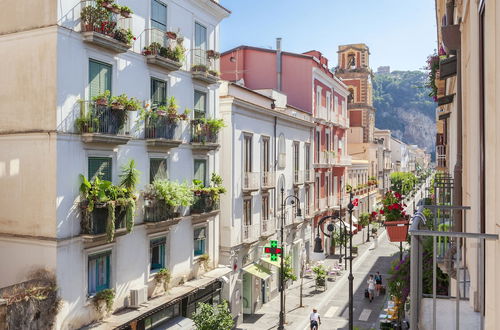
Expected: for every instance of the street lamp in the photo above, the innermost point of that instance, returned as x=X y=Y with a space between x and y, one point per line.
x=369 y=218
x=318 y=245
x=284 y=200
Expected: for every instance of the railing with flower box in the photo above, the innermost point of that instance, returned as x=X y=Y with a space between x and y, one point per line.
x=156 y=210
x=95 y=222
x=160 y=132
x=204 y=203
x=203 y=135
x=100 y=122
x=204 y=65
x=106 y=25
x=268 y=226
x=251 y=181
x=268 y=180
x=163 y=49
x=250 y=233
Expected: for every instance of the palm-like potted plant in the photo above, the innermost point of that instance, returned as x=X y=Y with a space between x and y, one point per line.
x=320 y=273
x=396 y=219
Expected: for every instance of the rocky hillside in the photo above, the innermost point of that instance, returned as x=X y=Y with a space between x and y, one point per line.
x=402 y=105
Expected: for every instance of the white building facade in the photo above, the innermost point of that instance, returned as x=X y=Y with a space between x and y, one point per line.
x=266 y=145
x=72 y=64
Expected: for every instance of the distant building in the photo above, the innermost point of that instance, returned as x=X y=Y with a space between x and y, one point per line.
x=383 y=140
x=384 y=69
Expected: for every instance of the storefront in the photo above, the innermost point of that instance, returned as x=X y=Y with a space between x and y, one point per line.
x=256 y=287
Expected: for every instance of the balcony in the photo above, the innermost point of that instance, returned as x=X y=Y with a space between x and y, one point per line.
x=441 y=156
x=105 y=27
x=203 y=67
x=203 y=137
x=268 y=227
x=93 y=226
x=101 y=124
x=444 y=301
x=309 y=176
x=158 y=216
x=160 y=133
x=448 y=67
x=250 y=233
x=322 y=160
x=251 y=181
x=268 y=180
x=345 y=161
x=298 y=177
x=162 y=51
x=204 y=204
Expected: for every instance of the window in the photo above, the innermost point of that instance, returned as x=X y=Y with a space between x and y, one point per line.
x=247 y=153
x=335 y=104
x=327 y=138
x=200 y=44
x=296 y=160
x=100 y=166
x=199 y=241
x=335 y=187
x=200 y=170
x=328 y=101
x=351 y=60
x=316 y=193
x=307 y=157
x=318 y=146
x=265 y=155
x=247 y=212
x=308 y=200
x=158 y=92
x=161 y=317
x=350 y=98
x=157 y=253
x=327 y=185
x=265 y=207
x=158 y=15
x=157 y=169
x=99 y=271
x=281 y=151
x=318 y=98
x=99 y=78
x=200 y=104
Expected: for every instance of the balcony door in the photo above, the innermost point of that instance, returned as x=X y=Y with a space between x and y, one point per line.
x=99 y=78
x=200 y=44
x=158 y=22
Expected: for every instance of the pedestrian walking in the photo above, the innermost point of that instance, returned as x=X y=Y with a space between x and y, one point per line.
x=378 y=283
x=371 y=287
x=315 y=319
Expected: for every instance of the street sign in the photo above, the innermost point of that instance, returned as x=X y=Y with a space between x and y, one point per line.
x=273 y=250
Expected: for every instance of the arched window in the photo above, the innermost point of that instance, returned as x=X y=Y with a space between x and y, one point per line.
x=350 y=98
x=351 y=61
x=281 y=151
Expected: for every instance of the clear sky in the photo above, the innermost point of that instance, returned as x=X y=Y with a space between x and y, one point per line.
x=400 y=33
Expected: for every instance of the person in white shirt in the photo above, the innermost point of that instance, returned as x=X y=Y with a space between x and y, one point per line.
x=371 y=287
x=315 y=319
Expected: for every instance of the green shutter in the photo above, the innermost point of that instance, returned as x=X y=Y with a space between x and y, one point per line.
x=158 y=15
x=200 y=170
x=157 y=169
x=100 y=165
x=158 y=92
x=99 y=78
x=199 y=104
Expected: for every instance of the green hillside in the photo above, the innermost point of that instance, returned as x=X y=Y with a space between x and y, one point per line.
x=402 y=105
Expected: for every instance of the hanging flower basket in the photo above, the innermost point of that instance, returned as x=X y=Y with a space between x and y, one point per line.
x=397 y=230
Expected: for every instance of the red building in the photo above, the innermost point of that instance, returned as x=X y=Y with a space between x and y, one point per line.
x=311 y=87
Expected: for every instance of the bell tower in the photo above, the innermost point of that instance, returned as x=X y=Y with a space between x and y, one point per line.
x=354 y=70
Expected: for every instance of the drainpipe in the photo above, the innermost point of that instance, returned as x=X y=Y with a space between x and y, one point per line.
x=278 y=63
x=275 y=162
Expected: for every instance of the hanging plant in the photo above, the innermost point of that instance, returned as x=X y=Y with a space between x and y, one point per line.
x=162 y=277
x=106 y=295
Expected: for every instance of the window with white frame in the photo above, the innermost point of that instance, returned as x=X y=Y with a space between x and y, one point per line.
x=281 y=151
x=247 y=211
x=200 y=170
x=99 y=272
x=265 y=207
x=318 y=97
x=328 y=100
x=157 y=247
x=335 y=188
x=157 y=169
x=335 y=104
x=296 y=161
x=247 y=153
x=200 y=104
x=200 y=237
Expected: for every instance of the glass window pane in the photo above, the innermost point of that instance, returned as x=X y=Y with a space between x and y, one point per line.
x=157 y=169
x=100 y=166
x=200 y=104
x=158 y=15
x=200 y=170
x=99 y=78
x=158 y=92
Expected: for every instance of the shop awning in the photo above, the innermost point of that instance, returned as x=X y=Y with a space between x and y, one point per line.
x=258 y=270
x=276 y=263
x=345 y=225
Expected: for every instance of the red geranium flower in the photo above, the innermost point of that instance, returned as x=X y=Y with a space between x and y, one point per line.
x=374 y=214
x=382 y=212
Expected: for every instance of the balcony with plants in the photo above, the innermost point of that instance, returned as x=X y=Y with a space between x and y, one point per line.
x=107 y=24
x=164 y=201
x=204 y=133
x=160 y=124
x=207 y=198
x=204 y=66
x=103 y=120
x=164 y=49
x=108 y=210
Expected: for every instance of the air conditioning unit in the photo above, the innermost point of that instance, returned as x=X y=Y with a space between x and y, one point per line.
x=138 y=297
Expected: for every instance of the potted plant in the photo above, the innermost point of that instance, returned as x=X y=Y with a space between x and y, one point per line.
x=214 y=73
x=162 y=277
x=102 y=99
x=171 y=35
x=167 y=196
x=119 y=102
x=108 y=4
x=124 y=35
x=204 y=259
x=115 y=8
x=126 y=11
x=320 y=273
x=199 y=68
x=103 y=301
x=133 y=104
x=212 y=54
x=395 y=217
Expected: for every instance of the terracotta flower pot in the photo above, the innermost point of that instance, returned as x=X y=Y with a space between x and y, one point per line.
x=102 y=101
x=397 y=230
x=171 y=35
x=126 y=14
x=116 y=10
x=107 y=4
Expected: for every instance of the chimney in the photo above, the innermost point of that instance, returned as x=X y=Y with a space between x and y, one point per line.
x=278 y=62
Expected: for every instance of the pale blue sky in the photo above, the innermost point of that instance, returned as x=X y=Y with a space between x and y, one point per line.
x=400 y=33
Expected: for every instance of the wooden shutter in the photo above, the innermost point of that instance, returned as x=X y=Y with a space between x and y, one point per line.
x=102 y=165
x=200 y=170
x=158 y=15
x=99 y=78
x=157 y=169
x=158 y=92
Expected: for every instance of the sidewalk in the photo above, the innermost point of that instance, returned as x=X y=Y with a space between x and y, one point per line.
x=333 y=304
